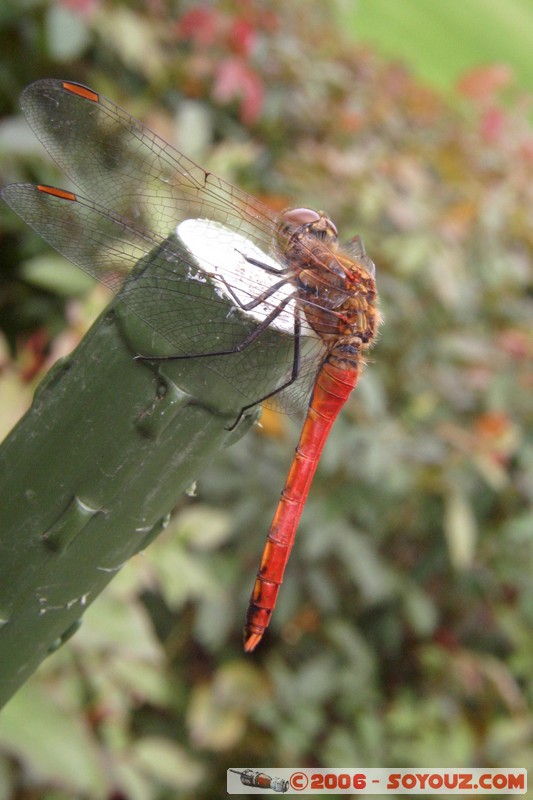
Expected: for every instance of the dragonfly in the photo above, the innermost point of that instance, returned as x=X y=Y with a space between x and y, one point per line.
x=282 y=270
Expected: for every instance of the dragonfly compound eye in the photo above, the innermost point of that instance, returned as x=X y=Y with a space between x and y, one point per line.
x=296 y=217
x=306 y=221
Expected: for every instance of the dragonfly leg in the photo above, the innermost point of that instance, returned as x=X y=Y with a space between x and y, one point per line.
x=238 y=348
x=285 y=271
x=260 y=298
x=265 y=267
x=294 y=373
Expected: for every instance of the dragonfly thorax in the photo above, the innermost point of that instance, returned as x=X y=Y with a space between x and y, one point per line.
x=336 y=293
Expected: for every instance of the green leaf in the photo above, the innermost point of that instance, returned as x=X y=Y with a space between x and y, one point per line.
x=460 y=528
x=56 y=275
x=68 y=33
x=52 y=740
x=167 y=764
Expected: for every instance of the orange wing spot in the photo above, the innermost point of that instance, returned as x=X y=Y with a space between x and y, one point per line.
x=61 y=193
x=82 y=91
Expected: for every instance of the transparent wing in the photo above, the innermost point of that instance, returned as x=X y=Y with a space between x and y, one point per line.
x=139 y=189
x=123 y=166
x=93 y=239
x=190 y=312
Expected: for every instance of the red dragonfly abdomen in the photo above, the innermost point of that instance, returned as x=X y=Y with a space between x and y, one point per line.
x=332 y=388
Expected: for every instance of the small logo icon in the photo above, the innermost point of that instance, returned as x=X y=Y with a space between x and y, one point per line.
x=259 y=780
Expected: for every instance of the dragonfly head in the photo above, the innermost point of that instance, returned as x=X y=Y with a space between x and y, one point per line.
x=299 y=222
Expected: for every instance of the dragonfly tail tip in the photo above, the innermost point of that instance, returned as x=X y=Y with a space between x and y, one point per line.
x=252 y=641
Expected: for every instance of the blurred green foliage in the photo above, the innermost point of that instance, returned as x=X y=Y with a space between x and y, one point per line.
x=442 y=41
x=403 y=632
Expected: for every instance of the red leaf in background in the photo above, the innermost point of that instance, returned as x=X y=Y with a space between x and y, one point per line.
x=199 y=25
x=497 y=436
x=492 y=424
x=241 y=37
x=526 y=149
x=83 y=7
x=234 y=79
x=483 y=83
x=492 y=124
x=515 y=343
x=35 y=352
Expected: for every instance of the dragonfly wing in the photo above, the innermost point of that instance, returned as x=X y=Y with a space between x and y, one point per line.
x=122 y=165
x=295 y=398
x=178 y=299
x=140 y=189
x=95 y=241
